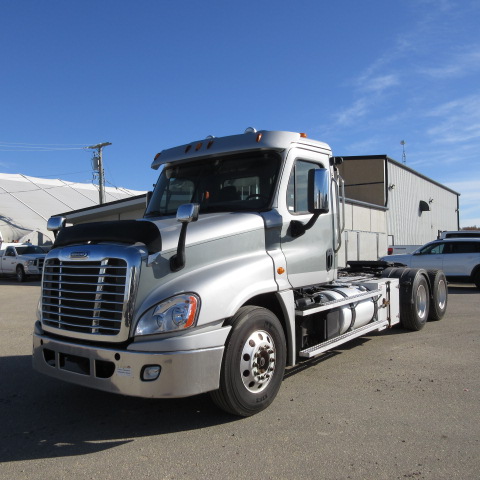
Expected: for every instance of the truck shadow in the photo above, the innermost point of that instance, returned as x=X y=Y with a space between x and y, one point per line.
x=34 y=281
x=46 y=418
x=463 y=289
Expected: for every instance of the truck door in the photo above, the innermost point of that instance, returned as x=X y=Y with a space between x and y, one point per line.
x=429 y=257
x=9 y=260
x=309 y=256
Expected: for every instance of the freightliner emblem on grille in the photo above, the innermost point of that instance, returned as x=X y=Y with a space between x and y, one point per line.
x=79 y=255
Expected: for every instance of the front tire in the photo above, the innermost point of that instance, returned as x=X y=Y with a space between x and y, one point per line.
x=20 y=274
x=253 y=362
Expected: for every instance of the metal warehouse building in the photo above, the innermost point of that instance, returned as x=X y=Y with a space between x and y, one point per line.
x=416 y=207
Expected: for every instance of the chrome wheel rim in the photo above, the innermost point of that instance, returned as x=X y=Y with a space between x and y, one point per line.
x=442 y=294
x=257 y=363
x=422 y=302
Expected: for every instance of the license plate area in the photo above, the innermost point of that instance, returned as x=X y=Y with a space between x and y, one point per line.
x=74 y=364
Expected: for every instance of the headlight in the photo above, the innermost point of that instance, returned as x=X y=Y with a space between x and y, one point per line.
x=28 y=263
x=176 y=313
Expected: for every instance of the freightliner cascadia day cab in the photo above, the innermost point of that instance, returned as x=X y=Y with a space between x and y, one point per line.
x=230 y=277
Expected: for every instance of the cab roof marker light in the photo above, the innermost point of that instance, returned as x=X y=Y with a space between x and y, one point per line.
x=187 y=148
x=198 y=147
x=211 y=139
x=157 y=156
x=303 y=135
x=259 y=137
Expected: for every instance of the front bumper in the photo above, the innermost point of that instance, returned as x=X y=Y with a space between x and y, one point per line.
x=32 y=270
x=183 y=372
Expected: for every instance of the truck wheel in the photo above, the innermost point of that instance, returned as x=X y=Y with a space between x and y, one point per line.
x=20 y=273
x=438 y=294
x=253 y=362
x=414 y=306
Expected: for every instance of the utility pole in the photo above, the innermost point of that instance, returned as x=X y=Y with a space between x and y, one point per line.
x=98 y=167
x=404 y=155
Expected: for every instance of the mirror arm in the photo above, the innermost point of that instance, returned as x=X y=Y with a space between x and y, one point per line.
x=297 y=228
x=185 y=214
x=177 y=262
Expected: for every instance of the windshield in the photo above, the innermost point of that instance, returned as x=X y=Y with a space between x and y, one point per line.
x=222 y=184
x=29 y=249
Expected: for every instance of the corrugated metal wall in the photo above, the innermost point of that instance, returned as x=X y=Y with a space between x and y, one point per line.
x=365 y=235
x=406 y=223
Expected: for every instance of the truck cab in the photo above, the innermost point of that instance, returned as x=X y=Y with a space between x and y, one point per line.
x=230 y=277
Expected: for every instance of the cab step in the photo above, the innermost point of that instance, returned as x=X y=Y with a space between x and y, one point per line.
x=335 y=342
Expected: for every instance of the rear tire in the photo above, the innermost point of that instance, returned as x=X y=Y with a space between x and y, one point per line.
x=414 y=306
x=438 y=294
x=253 y=362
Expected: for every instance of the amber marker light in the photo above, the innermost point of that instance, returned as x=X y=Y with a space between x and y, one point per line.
x=280 y=270
x=157 y=156
x=303 y=135
x=198 y=147
x=259 y=137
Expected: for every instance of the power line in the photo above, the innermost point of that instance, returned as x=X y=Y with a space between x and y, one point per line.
x=43 y=144
x=39 y=149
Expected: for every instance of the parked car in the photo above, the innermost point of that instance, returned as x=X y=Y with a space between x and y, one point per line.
x=459 y=258
x=460 y=234
x=21 y=260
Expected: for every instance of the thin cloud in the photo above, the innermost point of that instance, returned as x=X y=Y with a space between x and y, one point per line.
x=460 y=120
x=352 y=114
x=458 y=66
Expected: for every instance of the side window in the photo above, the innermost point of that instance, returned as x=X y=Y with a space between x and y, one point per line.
x=463 y=247
x=10 y=252
x=297 y=190
x=434 y=249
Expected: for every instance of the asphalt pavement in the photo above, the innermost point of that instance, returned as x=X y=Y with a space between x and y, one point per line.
x=391 y=405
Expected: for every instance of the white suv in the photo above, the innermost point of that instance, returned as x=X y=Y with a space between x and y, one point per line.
x=459 y=258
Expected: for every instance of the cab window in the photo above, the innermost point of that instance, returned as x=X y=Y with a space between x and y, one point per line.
x=297 y=190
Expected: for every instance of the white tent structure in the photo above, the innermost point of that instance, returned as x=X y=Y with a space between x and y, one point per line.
x=26 y=203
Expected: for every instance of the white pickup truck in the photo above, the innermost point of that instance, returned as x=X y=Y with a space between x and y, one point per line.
x=22 y=260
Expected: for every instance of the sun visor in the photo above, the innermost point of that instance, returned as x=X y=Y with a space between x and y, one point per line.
x=121 y=231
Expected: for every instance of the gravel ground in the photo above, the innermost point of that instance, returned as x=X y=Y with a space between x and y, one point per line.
x=391 y=405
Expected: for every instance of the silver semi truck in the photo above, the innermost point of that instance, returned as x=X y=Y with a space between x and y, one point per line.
x=230 y=277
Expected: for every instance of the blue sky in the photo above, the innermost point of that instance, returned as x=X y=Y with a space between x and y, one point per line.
x=148 y=75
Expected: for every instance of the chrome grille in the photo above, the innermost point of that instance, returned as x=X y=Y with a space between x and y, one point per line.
x=85 y=296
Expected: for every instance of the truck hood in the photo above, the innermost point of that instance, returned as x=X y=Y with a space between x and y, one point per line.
x=208 y=227
x=405 y=259
x=33 y=256
x=159 y=235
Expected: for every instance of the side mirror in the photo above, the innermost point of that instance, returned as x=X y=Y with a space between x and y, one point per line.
x=188 y=213
x=318 y=200
x=185 y=214
x=318 y=188
x=54 y=224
